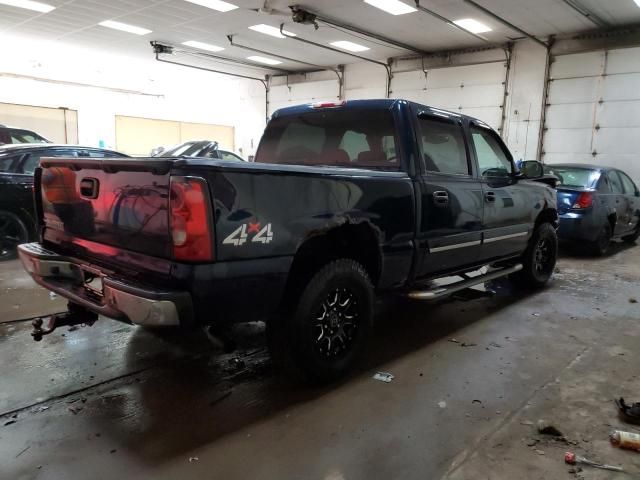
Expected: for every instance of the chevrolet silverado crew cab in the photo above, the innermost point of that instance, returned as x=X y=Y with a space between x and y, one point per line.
x=344 y=201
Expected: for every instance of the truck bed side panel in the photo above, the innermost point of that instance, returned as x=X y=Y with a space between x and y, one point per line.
x=271 y=214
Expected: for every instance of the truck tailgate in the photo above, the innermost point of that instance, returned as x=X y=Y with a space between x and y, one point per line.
x=123 y=203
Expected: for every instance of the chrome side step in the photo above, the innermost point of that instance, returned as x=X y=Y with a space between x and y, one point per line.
x=466 y=282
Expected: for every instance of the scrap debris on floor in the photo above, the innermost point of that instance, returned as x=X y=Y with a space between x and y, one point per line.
x=538 y=397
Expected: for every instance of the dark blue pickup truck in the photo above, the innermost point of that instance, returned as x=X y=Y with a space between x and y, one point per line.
x=344 y=201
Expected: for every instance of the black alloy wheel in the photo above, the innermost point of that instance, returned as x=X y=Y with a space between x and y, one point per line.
x=336 y=323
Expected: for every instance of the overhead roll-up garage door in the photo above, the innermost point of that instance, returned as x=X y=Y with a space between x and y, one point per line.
x=60 y=125
x=593 y=110
x=138 y=136
x=281 y=96
x=476 y=90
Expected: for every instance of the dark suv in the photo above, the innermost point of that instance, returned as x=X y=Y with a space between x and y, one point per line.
x=19 y=135
x=17 y=164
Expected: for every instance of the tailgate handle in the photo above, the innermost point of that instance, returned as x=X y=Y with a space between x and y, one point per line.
x=89 y=187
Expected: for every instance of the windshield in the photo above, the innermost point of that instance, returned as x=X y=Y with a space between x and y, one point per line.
x=192 y=149
x=574 y=176
x=8 y=163
x=357 y=138
x=25 y=136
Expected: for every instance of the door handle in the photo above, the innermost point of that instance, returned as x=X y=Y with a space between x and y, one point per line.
x=490 y=197
x=441 y=198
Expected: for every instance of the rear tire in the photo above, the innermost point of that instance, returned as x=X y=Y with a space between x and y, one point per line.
x=325 y=332
x=13 y=232
x=539 y=259
x=601 y=245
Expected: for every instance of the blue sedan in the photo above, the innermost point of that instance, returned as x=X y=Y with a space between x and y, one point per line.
x=596 y=205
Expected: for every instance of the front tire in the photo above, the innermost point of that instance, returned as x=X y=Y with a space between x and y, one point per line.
x=539 y=259
x=326 y=330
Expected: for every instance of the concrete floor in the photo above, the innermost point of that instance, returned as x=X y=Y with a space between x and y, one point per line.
x=113 y=401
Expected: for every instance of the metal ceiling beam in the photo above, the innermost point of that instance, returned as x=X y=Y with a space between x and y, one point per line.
x=337 y=71
x=159 y=49
x=199 y=53
x=300 y=12
x=581 y=9
x=327 y=47
x=448 y=22
x=506 y=23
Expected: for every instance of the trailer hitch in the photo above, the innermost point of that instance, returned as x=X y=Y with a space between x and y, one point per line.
x=76 y=315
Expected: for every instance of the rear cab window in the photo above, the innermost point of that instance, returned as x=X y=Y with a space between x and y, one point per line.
x=354 y=137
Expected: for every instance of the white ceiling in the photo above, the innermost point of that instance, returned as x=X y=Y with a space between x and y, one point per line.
x=76 y=22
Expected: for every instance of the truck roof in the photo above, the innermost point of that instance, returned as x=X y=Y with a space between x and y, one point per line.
x=381 y=103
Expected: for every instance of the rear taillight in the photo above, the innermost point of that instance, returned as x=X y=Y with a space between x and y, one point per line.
x=584 y=200
x=190 y=219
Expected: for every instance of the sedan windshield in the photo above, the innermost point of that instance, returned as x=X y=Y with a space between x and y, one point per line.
x=574 y=176
x=25 y=136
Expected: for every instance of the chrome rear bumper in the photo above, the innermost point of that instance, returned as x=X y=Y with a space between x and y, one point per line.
x=136 y=304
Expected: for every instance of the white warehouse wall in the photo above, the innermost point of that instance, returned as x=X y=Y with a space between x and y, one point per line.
x=470 y=83
x=524 y=103
x=130 y=87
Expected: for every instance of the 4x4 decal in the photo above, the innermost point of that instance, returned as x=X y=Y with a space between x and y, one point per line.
x=240 y=235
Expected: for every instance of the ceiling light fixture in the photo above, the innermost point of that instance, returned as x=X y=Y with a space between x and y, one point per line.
x=352 y=47
x=218 y=5
x=265 y=60
x=124 y=27
x=269 y=30
x=474 y=26
x=637 y=2
x=394 y=7
x=29 y=5
x=202 y=46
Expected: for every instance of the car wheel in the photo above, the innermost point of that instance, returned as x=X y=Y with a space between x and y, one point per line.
x=539 y=259
x=326 y=331
x=601 y=245
x=13 y=232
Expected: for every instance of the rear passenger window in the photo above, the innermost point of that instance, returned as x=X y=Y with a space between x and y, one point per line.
x=616 y=183
x=443 y=147
x=629 y=187
x=603 y=185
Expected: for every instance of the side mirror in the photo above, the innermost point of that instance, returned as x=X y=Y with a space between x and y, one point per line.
x=532 y=169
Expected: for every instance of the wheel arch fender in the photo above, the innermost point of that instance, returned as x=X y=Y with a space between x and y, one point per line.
x=357 y=240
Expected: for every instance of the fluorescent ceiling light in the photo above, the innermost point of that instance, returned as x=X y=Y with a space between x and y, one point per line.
x=637 y=2
x=268 y=61
x=352 y=47
x=203 y=46
x=394 y=7
x=472 y=25
x=273 y=31
x=125 y=27
x=218 y=5
x=29 y=5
